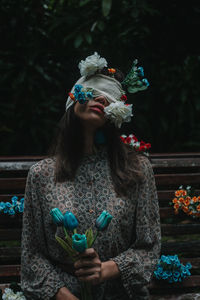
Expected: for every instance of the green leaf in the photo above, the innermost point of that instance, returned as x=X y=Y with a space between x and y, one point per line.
x=101 y=25
x=78 y=41
x=65 y=246
x=106 y=7
x=89 y=236
x=88 y=38
x=83 y=2
x=68 y=238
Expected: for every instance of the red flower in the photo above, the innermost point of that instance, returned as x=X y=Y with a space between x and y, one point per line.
x=135 y=139
x=142 y=148
x=128 y=140
x=124 y=98
x=148 y=145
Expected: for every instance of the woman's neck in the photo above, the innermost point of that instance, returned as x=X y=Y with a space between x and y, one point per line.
x=89 y=142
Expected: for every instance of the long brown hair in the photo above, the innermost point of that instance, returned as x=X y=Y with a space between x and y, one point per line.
x=68 y=146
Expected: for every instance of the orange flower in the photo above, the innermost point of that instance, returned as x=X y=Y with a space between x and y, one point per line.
x=176 y=206
x=188 y=198
x=177 y=193
x=181 y=200
x=198 y=198
x=185 y=209
x=195 y=199
x=198 y=207
x=112 y=71
x=175 y=200
x=184 y=192
x=71 y=96
x=187 y=202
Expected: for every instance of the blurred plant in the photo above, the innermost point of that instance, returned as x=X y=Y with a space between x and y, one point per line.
x=46 y=37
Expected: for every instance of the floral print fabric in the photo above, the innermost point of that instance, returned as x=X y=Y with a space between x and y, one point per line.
x=132 y=239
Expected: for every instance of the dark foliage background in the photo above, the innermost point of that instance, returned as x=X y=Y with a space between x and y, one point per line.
x=43 y=41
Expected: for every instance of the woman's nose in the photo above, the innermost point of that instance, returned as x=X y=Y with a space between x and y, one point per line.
x=101 y=99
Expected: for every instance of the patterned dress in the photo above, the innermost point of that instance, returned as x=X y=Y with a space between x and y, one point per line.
x=132 y=239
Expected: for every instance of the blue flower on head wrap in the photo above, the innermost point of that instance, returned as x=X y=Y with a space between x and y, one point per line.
x=78 y=87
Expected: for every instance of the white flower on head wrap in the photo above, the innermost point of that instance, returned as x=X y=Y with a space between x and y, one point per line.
x=91 y=64
x=118 y=112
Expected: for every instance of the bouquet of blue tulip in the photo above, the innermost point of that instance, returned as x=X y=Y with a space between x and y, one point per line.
x=76 y=243
x=170 y=269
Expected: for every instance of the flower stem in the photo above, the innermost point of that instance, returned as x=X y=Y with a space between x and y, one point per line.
x=94 y=239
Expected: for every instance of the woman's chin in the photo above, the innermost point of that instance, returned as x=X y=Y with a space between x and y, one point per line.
x=95 y=120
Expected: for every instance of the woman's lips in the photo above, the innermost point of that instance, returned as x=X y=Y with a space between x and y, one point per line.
x=97 y=109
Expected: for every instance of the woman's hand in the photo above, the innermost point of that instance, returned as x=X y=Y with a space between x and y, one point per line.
x=64 y=294
x=88 y=267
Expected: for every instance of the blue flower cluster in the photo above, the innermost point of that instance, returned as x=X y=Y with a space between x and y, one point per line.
x=80 y=95
x=169 y=268
x=16 y=206
x=135 y=80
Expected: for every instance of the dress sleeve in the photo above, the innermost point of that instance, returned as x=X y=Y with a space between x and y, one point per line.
x=137 y=263
x=39 y=278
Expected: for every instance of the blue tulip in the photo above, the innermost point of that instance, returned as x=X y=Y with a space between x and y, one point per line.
x=2 y=206
x=21 y=208
x=70 y=221
x=103 y=220
x=11 y=212
x=57 y=216
x=145 y=82
x=14 y=200
x=188 y=266
x=79 y=242
x=140 y=71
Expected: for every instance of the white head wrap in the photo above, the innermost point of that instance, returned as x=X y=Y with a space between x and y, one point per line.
x=118 y=112
x=101 y=84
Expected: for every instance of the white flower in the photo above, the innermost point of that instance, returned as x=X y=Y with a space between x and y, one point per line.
x=118 y=112
x=92 y=64
x=10 y=295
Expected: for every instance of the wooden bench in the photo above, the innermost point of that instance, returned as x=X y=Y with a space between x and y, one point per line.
x=180 y=234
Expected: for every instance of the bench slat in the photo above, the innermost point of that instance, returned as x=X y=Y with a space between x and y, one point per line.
x=187 y=248
x=10 y=234
x=12 y=184
x=191 y=281
x=176 y=179
x=178 y=229
x=180 y=296
x=10 y=270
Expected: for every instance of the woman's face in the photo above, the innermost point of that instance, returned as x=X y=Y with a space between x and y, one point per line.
x=92 y=112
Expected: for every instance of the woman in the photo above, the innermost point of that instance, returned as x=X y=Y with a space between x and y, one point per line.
x=91 y=170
